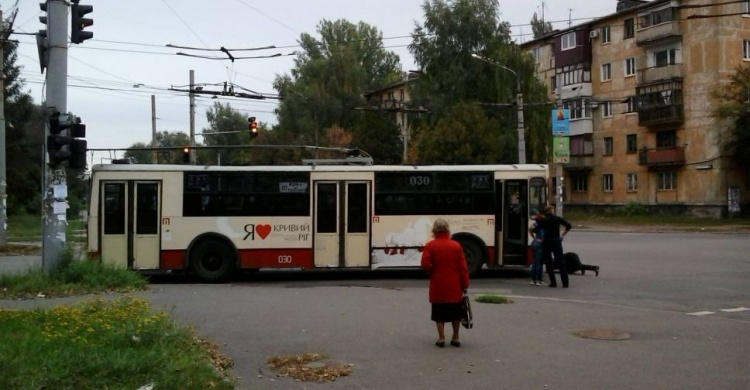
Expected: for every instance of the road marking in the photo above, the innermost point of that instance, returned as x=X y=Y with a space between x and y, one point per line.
x=734 y=310
x=700 y=313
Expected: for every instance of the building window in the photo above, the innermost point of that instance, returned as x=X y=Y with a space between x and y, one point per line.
x=605 y=34
x=746 y=50
x=629 y=28
x=630 y=104
x=607 y=71
x=577 y=108
x=630 y=67
x=667 y=180
x=580 y=183
x=607 y=110
x=607 y=182
x=608 y=146
x=665 y=57
x=632 y=140
x=582 y=145
x=537 y=53
x=632 y=181
x=666 y=139
x=569 y=41
x=553 y=83
x=746 y=7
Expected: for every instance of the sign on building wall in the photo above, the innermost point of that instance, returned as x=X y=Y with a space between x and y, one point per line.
x=561 y=122
x=561 y=150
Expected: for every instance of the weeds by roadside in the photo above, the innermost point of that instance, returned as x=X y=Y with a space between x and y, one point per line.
x=71 y=277
x=98 y=344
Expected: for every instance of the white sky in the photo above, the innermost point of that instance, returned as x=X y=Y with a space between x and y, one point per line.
x=125 y=29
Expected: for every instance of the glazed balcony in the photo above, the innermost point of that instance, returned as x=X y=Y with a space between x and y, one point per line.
x=662 y=156
x=667 y=72
x=657 y=116
x=580 y=163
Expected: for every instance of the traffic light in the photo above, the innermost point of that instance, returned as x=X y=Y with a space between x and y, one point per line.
x=78 y=23
x=57 y=140
x=186 y=155
x=42 y=42
x=78 y=147
x=253 y=126
x=65 y=145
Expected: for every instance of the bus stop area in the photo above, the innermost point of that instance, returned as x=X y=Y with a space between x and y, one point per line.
x=381 y=327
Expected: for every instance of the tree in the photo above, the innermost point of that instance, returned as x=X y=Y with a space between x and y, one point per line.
x=733 y=108
x=540 y=27
x=443 y=46
x=330 y=76
x=164 y=139
x=226 y=126
x=24 y=136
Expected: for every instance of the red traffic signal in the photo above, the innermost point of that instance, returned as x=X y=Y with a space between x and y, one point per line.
x=186 y=155
x=253 y=125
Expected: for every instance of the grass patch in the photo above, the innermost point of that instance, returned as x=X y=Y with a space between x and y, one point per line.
x=100 y=344
x=309 y=367
x=491 y=298
x=28 y=227
x=71 y=278
x=657 y=220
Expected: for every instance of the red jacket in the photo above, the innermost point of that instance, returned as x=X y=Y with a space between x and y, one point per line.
x=444 y=261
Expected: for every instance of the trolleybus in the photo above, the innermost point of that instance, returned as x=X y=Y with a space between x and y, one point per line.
x=216 y=220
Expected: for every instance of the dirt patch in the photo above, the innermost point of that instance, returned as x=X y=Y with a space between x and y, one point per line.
x=309 y=367
x=20 y=250
x=602 y=334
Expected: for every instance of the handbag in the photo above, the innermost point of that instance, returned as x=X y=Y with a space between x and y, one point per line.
x=468 y=319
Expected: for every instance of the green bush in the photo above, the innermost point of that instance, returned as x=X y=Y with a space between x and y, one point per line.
x=633 y=209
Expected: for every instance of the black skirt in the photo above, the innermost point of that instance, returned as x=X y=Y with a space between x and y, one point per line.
x=447 y=312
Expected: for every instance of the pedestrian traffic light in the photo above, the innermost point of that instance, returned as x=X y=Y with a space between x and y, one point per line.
x=186 y=155
x=42 y=42
x=253 y=127
x=78 y=23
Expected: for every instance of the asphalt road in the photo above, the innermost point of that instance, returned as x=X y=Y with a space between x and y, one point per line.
x=666 y=291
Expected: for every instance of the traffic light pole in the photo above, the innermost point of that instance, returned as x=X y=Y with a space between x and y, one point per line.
x=56 y=189
x=3 y=176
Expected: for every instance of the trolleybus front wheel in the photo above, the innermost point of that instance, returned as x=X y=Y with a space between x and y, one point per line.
x=212 y=260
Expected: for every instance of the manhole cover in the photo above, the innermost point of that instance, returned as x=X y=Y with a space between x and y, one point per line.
x=602 y=334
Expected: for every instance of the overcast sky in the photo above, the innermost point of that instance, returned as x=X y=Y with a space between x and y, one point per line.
x=111 y=77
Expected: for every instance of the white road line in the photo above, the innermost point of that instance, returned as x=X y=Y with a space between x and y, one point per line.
x=734 y=310
x=700 y=313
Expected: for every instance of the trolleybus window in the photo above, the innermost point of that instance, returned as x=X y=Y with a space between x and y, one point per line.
x=407 y=193
x=246 y=194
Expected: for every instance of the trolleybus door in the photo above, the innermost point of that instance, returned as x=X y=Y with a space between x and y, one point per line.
x=130 y=224
x=342 y=224
x=515 y=222
x=146 y=223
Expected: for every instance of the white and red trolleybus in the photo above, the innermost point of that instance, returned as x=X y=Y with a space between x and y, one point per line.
x=215 y=220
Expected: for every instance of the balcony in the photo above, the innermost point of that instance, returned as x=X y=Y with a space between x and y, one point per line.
x=580 y=163
x=657 y=116
x=649 y=75
x=581 y=126
x=660 y=33
x=662 y=156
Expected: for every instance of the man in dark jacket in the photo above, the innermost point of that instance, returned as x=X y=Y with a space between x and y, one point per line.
x=553 y=244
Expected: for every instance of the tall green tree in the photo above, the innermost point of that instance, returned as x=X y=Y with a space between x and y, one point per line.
x=24 y=135
x=443 y=46
x=229 y=127
x=733 y=107
x=327 y=83
x=539 y=27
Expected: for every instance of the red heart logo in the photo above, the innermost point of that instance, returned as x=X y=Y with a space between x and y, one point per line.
x=263 y=230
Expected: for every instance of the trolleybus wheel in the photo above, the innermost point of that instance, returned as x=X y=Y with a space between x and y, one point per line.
x=212 y=260
x=473 y=254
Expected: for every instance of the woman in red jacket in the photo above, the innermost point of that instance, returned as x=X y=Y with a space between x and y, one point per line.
x=444 y=261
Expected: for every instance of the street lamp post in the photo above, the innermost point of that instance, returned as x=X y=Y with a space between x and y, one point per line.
x=519 y=103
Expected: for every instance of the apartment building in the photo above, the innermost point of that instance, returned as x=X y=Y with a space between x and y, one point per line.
x=639 y=84
x=394 y=99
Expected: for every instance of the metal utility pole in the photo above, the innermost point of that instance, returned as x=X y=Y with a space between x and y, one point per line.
x=559 y=188
x=192 y=117
x=56 y=188
x=154 y=155
x=3 y=178
x=519 y=102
